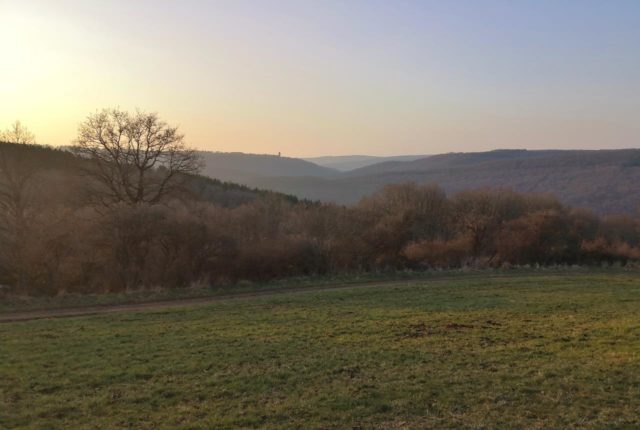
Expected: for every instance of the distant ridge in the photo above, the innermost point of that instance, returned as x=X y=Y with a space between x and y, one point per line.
x=605 y=181
x=249 y=168
x=344 y=163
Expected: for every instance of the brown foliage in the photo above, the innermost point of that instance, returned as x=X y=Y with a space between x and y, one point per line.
x=77 y=248
x=439 y=253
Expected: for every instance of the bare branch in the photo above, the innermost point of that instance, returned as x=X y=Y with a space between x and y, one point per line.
x=135 y=158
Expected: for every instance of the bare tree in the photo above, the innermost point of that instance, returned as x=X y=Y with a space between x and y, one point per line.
x=16 y=171
x=133 y=158
x=18 y=134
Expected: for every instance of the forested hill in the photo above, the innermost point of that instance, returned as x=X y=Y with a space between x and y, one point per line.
x=249 y=168
x=345 y=163
x=58 y=180
x=606 y=181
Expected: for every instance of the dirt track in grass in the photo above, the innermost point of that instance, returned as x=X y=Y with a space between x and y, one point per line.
x=77 y=311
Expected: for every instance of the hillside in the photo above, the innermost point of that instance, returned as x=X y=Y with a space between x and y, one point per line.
x=249 y=168
x=208 y=231
x=345 y=163
x=59 y=178
x=606 y=181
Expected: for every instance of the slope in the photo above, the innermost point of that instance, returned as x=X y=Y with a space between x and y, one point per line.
x=606 y=181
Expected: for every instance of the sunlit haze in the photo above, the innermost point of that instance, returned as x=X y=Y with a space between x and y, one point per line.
x=331 y=77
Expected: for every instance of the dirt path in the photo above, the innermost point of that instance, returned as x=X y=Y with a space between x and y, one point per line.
x=180 y=303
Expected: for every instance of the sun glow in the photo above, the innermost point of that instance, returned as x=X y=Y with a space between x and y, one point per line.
x=34 y=70
x=410 y=78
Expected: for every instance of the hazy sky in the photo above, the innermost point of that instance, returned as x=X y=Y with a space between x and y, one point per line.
x=331 y=77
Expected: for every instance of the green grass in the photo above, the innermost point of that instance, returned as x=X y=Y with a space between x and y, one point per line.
x=536 y=351
x=18 y=303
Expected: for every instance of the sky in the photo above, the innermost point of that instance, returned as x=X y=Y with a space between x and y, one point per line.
x=310 y=78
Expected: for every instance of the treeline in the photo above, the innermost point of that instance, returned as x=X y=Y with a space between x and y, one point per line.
x=178 y=244
x=127 y=210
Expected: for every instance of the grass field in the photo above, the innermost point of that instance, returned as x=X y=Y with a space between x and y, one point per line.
x=21 y=303
x=534 y=351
